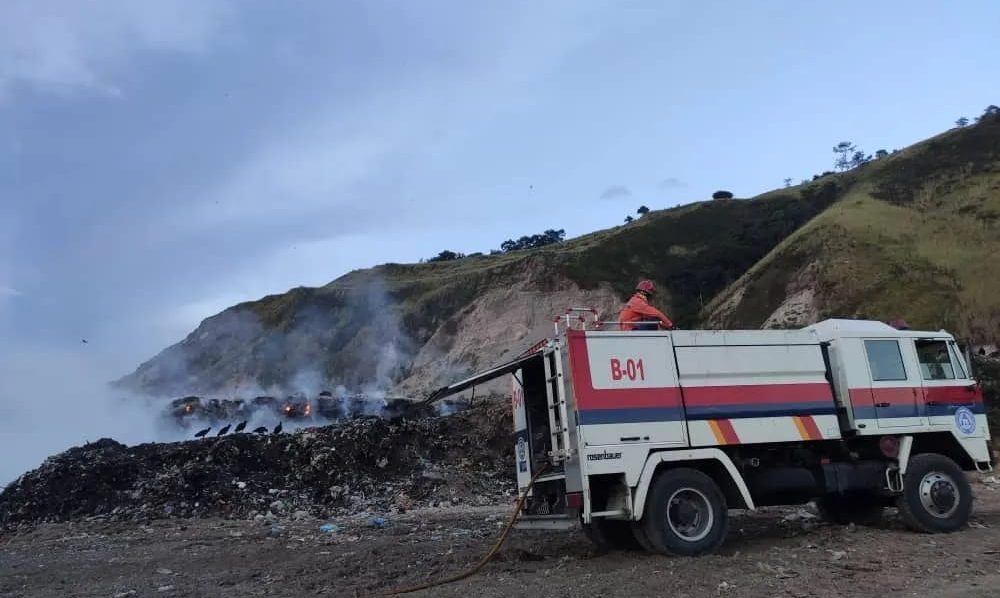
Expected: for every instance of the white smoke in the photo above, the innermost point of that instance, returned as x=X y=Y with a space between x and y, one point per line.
x=53 y=399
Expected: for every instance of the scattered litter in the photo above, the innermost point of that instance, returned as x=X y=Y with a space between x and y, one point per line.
x=276 y=531
x=378 y=522
x=991 y=480
x=126 y=594
x=164 y=571
x=725 y=587
x=329 y=528
x=836 y=555
x=164 y=588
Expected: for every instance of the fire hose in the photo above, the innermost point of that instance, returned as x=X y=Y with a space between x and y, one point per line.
x=489 y=555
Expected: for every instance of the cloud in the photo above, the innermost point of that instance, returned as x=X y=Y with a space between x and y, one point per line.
x=616 y=192
x=72 y=47
x=672 y=183
x=6 y=291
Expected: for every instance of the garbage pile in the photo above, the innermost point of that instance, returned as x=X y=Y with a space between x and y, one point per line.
x=362 y=464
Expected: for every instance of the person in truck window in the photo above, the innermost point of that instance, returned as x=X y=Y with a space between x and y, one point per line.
x=638 y=314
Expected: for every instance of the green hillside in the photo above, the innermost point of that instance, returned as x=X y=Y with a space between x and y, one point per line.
x=915 y=236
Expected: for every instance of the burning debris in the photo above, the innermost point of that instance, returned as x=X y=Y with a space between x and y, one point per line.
x=366 y=463
x=325 y=408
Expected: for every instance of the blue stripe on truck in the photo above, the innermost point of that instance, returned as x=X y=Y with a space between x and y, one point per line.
x=760 y=410
x=630 y=415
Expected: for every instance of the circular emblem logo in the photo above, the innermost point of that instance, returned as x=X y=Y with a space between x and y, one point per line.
x=965 y=420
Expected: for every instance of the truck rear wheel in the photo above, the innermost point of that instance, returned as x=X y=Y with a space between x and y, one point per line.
x=937 y=497
x=686 y=513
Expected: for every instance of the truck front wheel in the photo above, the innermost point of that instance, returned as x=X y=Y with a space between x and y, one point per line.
x=686 y=513
x=937 y=497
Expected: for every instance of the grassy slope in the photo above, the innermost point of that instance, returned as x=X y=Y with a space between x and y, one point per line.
x=915 y=236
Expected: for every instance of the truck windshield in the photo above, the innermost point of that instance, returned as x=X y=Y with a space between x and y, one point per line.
x=935 y=360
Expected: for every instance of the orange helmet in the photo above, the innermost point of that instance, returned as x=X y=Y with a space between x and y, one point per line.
x=646 y=286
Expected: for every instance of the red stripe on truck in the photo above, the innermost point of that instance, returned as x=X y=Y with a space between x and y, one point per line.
x=703 y=396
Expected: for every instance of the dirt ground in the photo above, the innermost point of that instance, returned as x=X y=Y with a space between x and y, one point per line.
x=776 y=552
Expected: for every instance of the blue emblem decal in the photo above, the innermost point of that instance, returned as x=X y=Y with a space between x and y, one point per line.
x=965 y=420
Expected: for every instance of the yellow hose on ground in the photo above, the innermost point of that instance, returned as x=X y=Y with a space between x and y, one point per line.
x=489 y=555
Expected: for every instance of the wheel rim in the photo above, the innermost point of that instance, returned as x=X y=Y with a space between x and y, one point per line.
x=939 y=494
x=689 y=514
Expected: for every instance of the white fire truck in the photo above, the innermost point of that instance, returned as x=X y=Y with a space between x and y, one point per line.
x=651 y=437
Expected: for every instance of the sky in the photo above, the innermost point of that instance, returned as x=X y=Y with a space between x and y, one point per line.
x=162 y=160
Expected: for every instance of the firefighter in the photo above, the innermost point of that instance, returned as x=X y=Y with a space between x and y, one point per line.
x=638 y=314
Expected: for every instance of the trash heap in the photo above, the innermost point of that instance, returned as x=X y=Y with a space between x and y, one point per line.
x=364 y=464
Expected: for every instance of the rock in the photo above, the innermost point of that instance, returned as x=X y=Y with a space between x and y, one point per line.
x=277 y=507
x=164 y=571
x=382 y=463
x=125 y=594
x=276 y=531
x=300 y=514
x=164 y=588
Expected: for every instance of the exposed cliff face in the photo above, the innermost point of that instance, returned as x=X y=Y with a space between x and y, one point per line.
x=912 y=235
x=386 y=330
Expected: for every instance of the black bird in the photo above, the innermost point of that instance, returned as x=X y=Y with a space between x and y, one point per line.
x=277 y=429
x=240 y=427
x=201 y=433
x=260 y=430
x=84 y=341
x=223 y=430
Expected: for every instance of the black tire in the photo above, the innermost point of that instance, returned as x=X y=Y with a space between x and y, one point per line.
x=682 y=499
x=842 y=509
x=610 y=534
x=937 y=497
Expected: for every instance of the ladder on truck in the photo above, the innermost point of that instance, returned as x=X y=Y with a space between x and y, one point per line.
x=555 y=396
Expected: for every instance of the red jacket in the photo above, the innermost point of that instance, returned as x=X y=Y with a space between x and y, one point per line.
x=638 y=309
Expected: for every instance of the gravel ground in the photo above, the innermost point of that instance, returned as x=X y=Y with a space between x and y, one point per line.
x=776 y=552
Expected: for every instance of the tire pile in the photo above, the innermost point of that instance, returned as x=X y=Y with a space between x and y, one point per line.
x=364 y=464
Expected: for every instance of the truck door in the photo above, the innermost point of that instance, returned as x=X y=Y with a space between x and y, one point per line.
x=950 y=397
x=895 y=388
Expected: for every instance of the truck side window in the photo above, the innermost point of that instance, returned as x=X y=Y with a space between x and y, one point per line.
x=885 y=360
x=935 y=361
